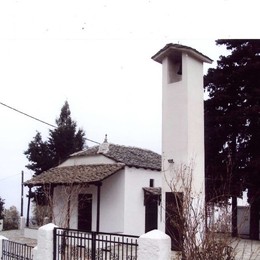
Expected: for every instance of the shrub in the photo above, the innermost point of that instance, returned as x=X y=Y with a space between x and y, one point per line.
x=11 y=218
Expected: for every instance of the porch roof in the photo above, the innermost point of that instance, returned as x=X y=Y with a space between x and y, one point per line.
x=75 y=174
x=153 y=190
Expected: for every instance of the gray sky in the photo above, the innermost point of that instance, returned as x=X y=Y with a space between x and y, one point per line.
x=97 y=55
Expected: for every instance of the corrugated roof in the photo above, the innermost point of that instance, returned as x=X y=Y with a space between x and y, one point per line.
x=170 y=48
x=75 y=174
x=130 y=156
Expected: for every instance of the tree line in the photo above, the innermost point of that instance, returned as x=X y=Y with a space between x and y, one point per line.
x=232 y=133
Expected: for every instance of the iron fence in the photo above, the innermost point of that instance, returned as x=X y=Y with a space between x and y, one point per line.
x=72 y=244
x=13 y=250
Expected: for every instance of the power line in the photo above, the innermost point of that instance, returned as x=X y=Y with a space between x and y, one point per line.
x=37 y=119
x=92 y=141
x=7 y=177
x=16 y=110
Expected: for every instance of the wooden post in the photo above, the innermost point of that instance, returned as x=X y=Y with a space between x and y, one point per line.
x=99 y=184
x=22 y=180
x=28 y=207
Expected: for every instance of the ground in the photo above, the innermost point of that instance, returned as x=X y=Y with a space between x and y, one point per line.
x=17 y=236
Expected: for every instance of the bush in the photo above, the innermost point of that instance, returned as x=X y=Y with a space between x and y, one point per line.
x=11 y=218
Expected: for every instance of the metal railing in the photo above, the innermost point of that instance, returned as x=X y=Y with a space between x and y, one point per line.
x=72 y=244
x=13 y=250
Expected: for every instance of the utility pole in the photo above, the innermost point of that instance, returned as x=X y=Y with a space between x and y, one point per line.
x=22 y=180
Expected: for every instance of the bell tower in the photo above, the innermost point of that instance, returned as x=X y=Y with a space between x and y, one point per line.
x=182 y=118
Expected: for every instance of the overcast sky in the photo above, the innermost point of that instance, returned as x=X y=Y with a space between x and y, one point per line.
x=97 y=56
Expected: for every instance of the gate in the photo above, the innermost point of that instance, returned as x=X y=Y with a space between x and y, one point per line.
x=12 y=250
x=72 y=244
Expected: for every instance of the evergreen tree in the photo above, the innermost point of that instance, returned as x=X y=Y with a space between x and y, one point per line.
x=39 y=155
x=232 y=115
x=64 y=140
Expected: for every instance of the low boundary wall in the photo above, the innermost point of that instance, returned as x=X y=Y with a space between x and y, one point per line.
x=154 y=245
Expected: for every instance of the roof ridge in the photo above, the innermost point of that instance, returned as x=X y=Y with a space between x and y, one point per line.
x=136 y=147
x=90 y=165
x=120 y=145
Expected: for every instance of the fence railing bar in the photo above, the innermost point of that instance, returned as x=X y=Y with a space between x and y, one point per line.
x=72 y=244
x=13 y=250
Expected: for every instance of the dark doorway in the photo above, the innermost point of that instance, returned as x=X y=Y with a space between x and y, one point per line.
x=174 y=219
x=85 y=212
x=151 y=213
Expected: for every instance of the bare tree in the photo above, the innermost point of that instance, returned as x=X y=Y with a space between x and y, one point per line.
x=61 y=205
x=188 y=219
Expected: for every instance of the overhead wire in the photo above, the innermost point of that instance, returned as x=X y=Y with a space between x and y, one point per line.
x=37 y=119
x=7 y=177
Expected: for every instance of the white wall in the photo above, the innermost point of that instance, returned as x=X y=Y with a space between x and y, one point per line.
x=60 y=201
x=243 y=220
x=135 y=180
x=196 y=151
x=82 y=160
x=112 y=203
x=91 y=189
x=122 y=202
x=182 y=126
x=183 y=119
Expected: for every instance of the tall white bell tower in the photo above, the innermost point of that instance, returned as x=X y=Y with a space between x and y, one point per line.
x=182 y=118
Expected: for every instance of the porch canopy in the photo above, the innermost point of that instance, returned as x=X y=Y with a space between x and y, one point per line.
x=76 y=174
x=73 y=175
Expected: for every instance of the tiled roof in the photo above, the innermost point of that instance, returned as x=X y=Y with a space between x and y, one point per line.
x=130 y=156
x=75 y=174
x=171 y=47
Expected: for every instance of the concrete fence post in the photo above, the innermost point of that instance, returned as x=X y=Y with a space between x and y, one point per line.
x=1 y=245
x=22 y=223
x=154 y=245
x=44 y=248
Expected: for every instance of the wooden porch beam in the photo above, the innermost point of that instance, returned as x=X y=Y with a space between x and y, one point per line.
x=28 y=207
x=98 y=184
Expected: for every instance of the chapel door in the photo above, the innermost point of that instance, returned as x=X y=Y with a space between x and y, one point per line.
x=174 y=219
x=151 y=213
x=85 y=212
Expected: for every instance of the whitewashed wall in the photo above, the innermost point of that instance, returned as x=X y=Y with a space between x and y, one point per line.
x=134 y=211
x=112 y=203
x=60 y=202
x=82 y=160
x=182 y=125
x=122 y=202
x=183 y=120
x=243 y=220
